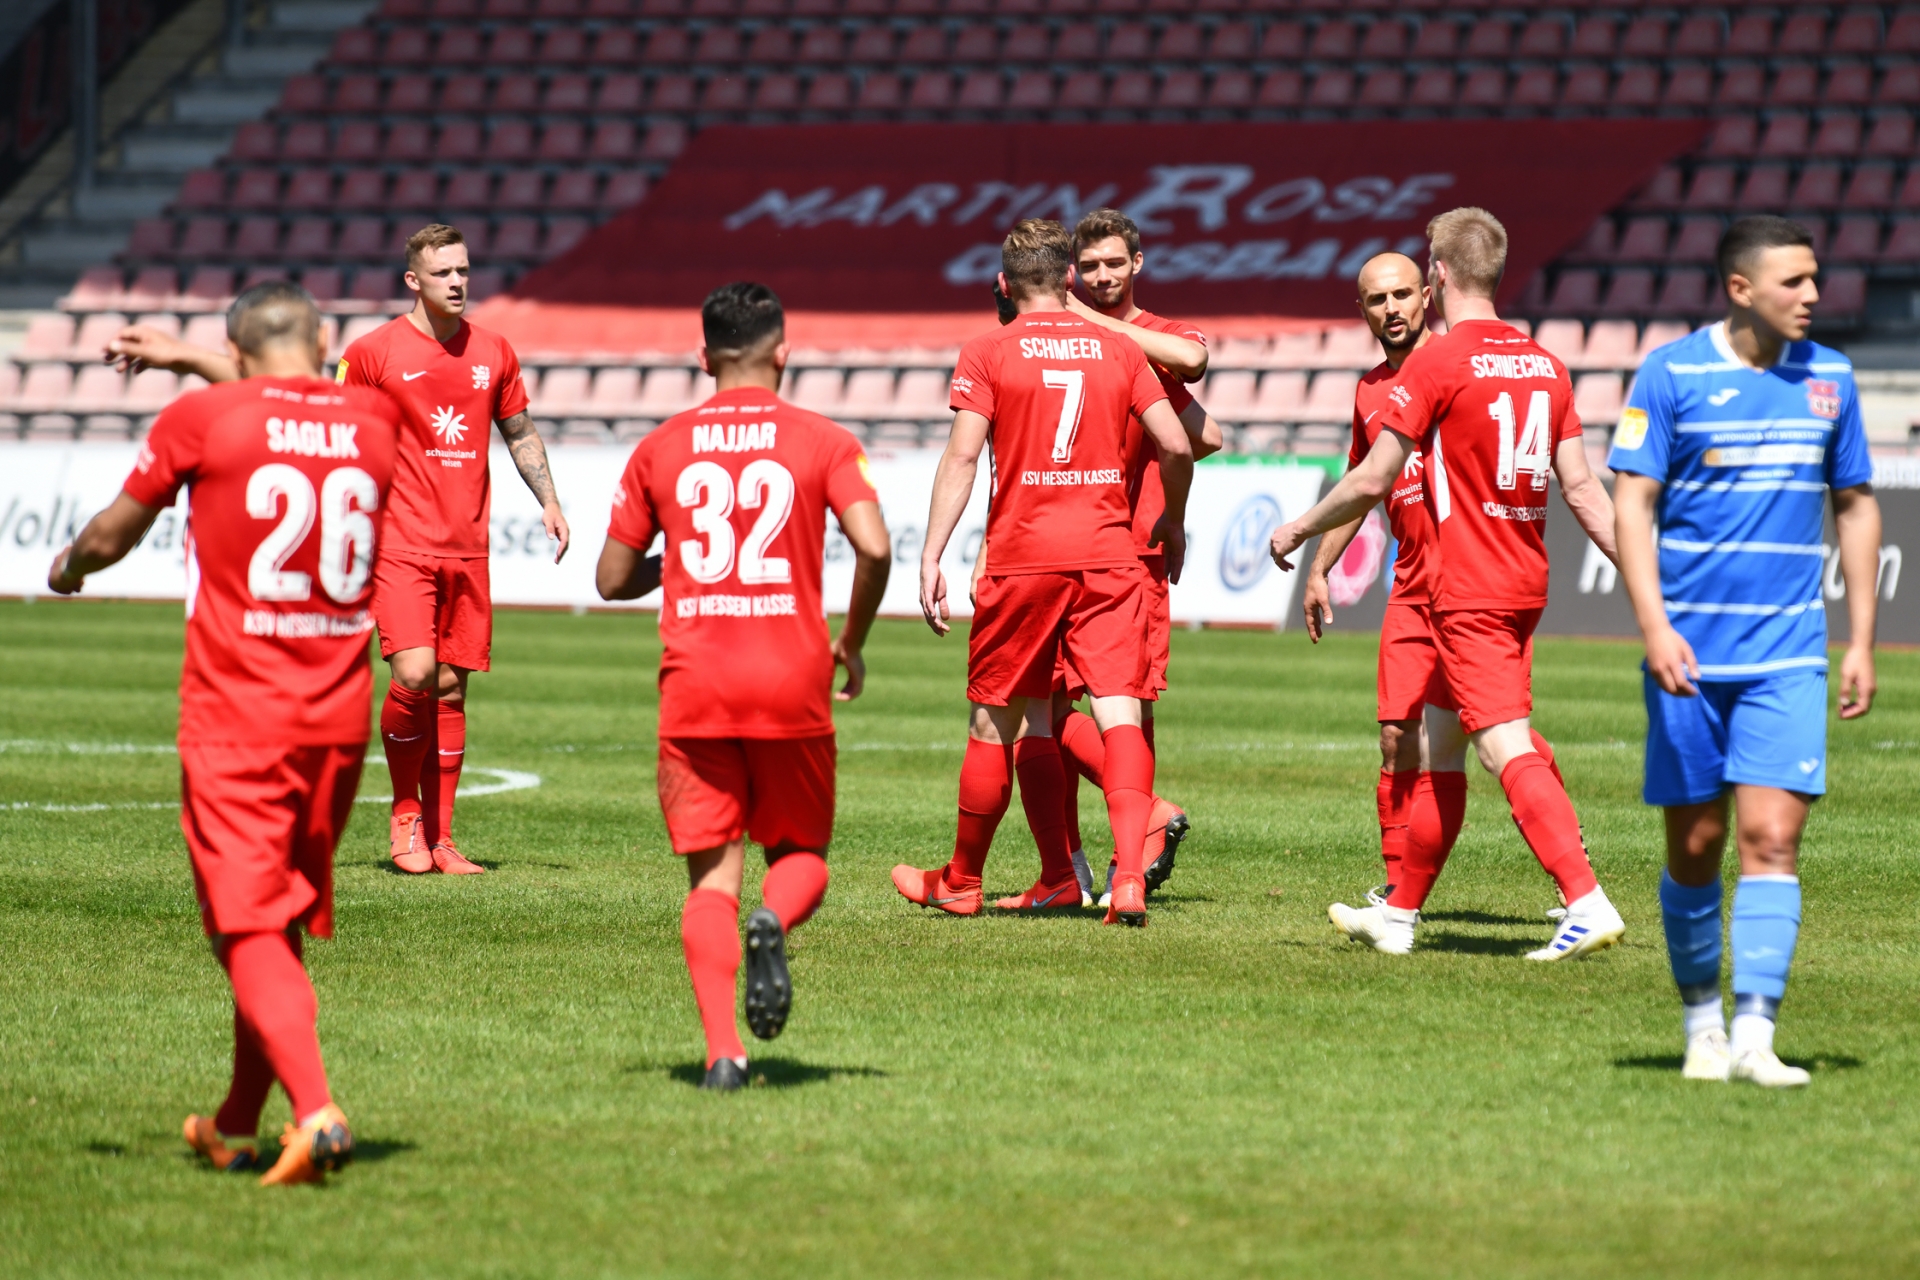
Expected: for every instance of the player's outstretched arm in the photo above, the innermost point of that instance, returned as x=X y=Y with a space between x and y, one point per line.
x=952 y=486
x=625 y=573
x=105 y=541
x=1350 y=500
x=530 y=459
x=1670 y=659
x=1176 y=478
x=1585 y=496
x=1856 y=523
x=1318 y=602
x=141 y=346
x=1203 y=433
x=1181 y=356
x=872 y=560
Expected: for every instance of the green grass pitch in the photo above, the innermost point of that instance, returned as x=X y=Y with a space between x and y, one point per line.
x=1233 y=1091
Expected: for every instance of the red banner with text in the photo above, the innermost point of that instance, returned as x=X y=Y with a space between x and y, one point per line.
x=1268 y=219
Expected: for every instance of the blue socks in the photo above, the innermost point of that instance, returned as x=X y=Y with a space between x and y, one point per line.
x=1692 y=918
x=1766 y=925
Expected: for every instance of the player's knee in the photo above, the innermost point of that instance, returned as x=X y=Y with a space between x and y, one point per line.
x=1771 y=845
x=452 y=684
x=1399 y=745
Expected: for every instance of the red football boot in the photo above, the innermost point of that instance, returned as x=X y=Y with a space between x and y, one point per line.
x=1129 y=902
x=313 y=1150
x=211 y=1143
x=409 y=844
x=929 y=889
x=1167 y=827
x=1045 y=897
x=449 y=861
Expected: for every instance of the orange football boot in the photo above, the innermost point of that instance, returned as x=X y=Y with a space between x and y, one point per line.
x=1167 y=827
x=409 y=844
x=448 y=859
x=207 y=1140
x=312 y=1151
x=1045 y=897
x=929 y=889
x=1129 y=902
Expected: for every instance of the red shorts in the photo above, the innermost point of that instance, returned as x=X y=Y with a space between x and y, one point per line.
x=1486 y=656
x=1159 y=638
x=776 y=791
x=1024 y=623
x=261 y=826
x=1410 y=674
x=434 y=602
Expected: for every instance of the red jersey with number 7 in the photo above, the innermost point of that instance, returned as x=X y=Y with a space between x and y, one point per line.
x=1485 y=405
x=1057 y=392
x=287 y=480
x=741 y=487
x=450 y=393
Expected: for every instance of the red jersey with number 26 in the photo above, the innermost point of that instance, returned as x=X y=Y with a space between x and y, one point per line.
x=1144 y=491
x=450 y=393
x=1407 y=504
x=1056 y=391
x=1486 y=405
x=741 y=486
x=286 y=481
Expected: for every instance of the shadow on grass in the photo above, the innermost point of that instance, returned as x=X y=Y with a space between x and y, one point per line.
x=105 y=1149
x=1474 y=945
x=1478 y=917
x=374 y=1150
x=1673 y=1062
x=766 y=1073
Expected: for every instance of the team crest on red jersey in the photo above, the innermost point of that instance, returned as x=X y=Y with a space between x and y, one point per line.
x=1823 y=398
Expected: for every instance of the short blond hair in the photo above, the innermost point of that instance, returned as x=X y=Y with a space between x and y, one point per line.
x=435 y=235
x=1473 y=244
x=1036 y=255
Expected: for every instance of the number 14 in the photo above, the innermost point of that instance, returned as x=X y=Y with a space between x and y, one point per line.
x=1534 y=454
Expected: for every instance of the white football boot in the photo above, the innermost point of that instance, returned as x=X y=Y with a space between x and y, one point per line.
x=1761 y=1067
x=1590 y=925
x=1384 y=928
x=1707 y=1055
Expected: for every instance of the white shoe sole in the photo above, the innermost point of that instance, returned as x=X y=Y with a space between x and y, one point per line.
x=1714 y=1068
x=1363 y=936
x=1596 y=941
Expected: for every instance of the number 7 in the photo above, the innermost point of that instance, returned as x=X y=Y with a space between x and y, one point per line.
x=1074 y=383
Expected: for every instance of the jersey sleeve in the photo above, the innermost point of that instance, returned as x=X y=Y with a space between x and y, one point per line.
x=1357 y=439
x=1643 y=442
x=168 y=457
x=510 y=389
x=1413 y=399
x=1849 y=462
x=633 y=522
x=973 y=380
x=1146 y=389
x=848 y=478
x=1569 y=427
x=357 y=366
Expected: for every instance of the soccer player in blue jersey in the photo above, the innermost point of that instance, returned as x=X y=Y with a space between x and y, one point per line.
x=1730 y=443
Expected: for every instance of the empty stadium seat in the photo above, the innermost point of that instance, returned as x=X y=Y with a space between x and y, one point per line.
x=1598 y=397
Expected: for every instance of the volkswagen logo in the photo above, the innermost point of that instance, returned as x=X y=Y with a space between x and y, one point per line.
x=1245 y=558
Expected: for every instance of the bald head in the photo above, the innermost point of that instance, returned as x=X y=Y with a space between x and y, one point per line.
x=1394 y=301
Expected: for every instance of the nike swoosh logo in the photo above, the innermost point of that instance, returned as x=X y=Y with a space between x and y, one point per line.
x=409 y=377
x=1055 y=896
x=941 y=902
x=1370 y=417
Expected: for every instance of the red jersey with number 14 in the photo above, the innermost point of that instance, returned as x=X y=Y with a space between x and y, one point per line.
x=450 y=394
x=1486 y=405
x=1407 y=503
x=741 y=487
x=1057 y=392
x=1144 y=491
x=286 y=483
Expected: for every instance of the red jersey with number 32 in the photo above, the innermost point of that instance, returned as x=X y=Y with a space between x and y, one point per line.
x=450 y=395
x=1144 y=492
x=1486 y=405
x=286 y=483
x=1407 y=503
x=741 y=486
x=1057 y=392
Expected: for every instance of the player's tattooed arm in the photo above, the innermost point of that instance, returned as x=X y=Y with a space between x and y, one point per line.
x=866 y=531
x=105 y=541
x=1182 y=356
x=141 y=346
x=1670 y=659
x=1585 y=496
x=1350 y=500
x=530 y=458
x=1203 y=433
x=1856 y=526
x=1318 y=601
x=952 y=486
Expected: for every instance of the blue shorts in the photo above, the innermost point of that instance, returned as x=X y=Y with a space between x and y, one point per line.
x=1770 y=732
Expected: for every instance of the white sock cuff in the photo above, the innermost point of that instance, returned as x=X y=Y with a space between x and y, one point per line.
x=1769 y=879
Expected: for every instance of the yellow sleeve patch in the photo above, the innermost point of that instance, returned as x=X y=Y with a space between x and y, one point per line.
x=340 y=374
x=866 y=472
x=1632 y=431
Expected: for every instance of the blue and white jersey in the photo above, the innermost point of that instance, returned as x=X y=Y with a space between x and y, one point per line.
x=1746 y=457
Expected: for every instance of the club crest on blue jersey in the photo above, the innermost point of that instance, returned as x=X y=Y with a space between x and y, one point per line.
x=1823 y=398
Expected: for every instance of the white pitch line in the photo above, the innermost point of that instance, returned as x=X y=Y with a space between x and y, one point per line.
x=504 y=780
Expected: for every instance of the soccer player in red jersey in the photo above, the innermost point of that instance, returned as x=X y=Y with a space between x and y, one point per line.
x=452 y=380
x=740 y=488
x=1053 y=391
x=287 y=477
x=1492 y=416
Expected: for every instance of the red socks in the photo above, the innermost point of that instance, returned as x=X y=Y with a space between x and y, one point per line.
x=710 y=937
x=986 y=785
x=406 y=734
x=1043 y=787
x=1434 y=816
x=1080 y=747
x=1545 y=749
x=1128 y=779
x=1547 y=823
x=272 y=996
x=1393 y=797
x=252 y=1077
x=794 y=886
x=453 y=754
